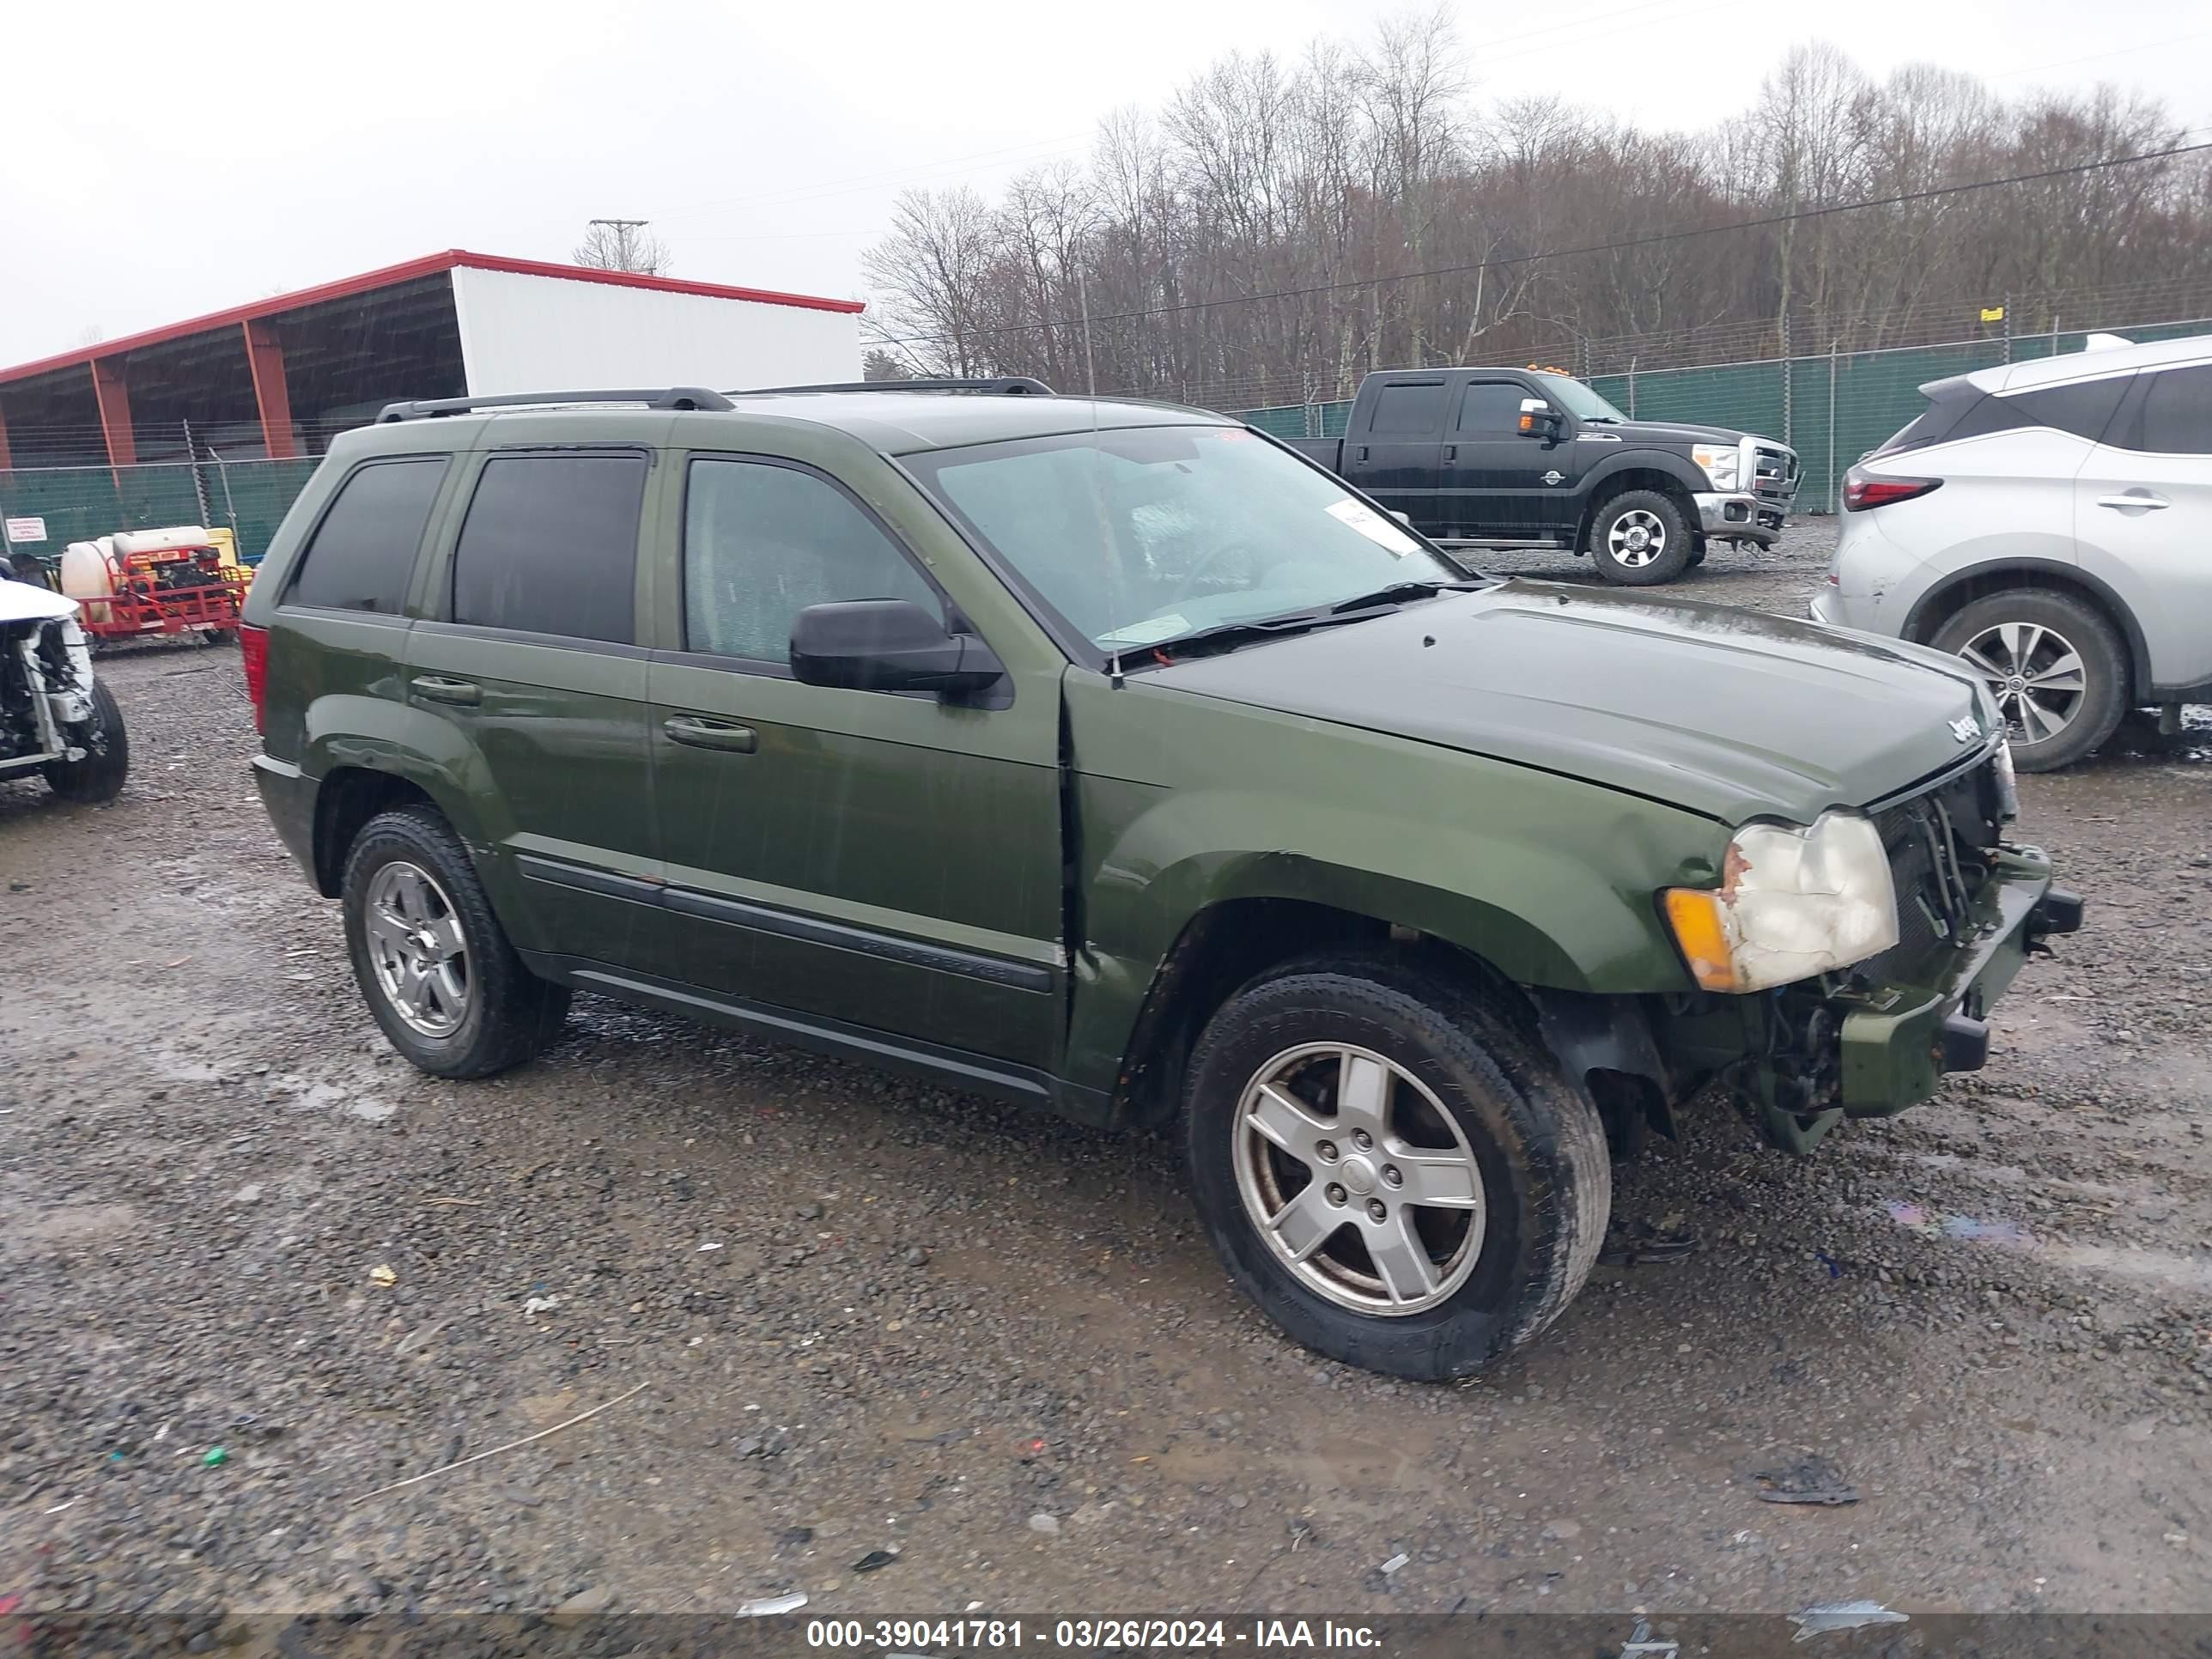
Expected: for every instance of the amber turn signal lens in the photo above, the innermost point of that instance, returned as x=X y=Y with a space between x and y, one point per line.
x=1694 y=913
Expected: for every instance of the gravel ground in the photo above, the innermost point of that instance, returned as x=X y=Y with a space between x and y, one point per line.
x=846 y=1316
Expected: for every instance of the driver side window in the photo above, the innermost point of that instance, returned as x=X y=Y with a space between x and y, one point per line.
x=763 y=542
x=1491 y=408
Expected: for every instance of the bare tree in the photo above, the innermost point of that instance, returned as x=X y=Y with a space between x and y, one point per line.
x=621 y=245
x=1283 y=224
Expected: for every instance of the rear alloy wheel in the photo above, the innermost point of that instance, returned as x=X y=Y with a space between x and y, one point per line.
x=1388 y=1168
x=2055 y=667
x=431 y=958
x=1639 y=539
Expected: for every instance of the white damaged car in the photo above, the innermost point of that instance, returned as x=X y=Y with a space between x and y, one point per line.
x=55 y=718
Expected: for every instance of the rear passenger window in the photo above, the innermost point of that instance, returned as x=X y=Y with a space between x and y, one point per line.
x=762 y=543
x=2084 y=408
x=549 y=546
x=1418 y=409
x=364 y=549
x=2175 y=415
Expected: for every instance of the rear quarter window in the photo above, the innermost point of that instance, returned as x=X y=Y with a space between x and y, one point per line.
x=361 y=555
x=2084 y=408
x=2174 y=414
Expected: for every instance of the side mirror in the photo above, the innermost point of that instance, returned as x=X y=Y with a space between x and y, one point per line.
x=1539 y=419
x=887 y=645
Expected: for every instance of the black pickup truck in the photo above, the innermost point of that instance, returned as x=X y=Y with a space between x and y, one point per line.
x=1508 y=457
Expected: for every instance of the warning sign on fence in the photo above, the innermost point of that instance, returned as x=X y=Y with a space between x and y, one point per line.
x=27 y=530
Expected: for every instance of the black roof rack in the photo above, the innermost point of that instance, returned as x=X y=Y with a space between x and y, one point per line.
x=667 y=397
x=1004 y=385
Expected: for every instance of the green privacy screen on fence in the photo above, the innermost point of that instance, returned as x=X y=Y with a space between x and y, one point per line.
x=1832 y=411
x=80 y=502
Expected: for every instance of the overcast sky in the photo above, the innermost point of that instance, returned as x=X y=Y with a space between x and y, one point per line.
x=164 y=161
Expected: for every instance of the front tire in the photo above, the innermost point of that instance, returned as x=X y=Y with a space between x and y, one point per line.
x=432 y=961
x=2056 y=665
x=1639 y=539
x=98 y=778
x=1386 y=1167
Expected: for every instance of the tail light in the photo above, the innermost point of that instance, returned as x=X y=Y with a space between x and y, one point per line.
x=253 y=647
x=1863 y=490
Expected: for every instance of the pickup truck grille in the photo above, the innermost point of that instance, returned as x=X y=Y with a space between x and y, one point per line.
x=1774 y=475
x=1934 y=841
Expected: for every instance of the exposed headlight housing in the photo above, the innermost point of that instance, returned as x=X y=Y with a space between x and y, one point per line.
x=2007 y=784
x=1722 y=463
x=1792 y=902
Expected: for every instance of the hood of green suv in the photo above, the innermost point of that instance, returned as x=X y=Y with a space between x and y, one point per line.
x=1729 y=713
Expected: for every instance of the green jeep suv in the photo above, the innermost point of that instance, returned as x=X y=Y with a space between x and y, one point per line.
x=1114 y=758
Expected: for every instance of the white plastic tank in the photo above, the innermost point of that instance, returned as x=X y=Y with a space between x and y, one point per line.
x=88 y=576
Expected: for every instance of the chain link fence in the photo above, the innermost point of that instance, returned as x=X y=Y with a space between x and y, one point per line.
x=79 y=503
x=1831 y=408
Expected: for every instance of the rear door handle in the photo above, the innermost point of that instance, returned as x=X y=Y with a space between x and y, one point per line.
x=698 y=734
x=1451 y=451
x=1363 y=453
x=466 y=692
x=2144 y=500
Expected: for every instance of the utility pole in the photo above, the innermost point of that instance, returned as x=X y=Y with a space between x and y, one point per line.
x=623 y=230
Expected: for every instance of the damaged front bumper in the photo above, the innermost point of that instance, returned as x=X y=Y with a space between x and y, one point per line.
x=1897 y=1041
x=1806 y=1056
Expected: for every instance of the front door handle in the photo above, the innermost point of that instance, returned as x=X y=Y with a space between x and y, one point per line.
x=467 y=693
x=700 y=733
x=2146 y=499
x=1451 y=451
x=1363 y=452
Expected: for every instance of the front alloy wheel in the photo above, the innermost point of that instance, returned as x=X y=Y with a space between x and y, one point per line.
x=1358 y=1180
x=1387 y=1165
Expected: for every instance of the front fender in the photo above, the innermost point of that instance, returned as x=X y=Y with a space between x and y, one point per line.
x=1550 y=880
x=1643 y=460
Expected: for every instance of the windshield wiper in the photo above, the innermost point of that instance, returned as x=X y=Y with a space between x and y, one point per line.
x=1357 y=609
x=1397 y=593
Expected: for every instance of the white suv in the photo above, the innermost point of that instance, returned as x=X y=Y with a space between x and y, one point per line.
x=2050 y=522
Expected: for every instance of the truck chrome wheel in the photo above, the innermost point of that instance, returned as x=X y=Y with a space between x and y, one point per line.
x=1358 y=1180
x=2034 y=673
x=416 y=947
x=1637 y=538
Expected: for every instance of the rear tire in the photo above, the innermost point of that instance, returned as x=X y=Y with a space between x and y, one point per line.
x=432 y=961
x=1639 y=539
x=2056 y=665
x=98 y=778
x=1449 y=1286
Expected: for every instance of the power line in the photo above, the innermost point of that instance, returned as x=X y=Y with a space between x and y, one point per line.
x=1622 y=246
x=793 y=195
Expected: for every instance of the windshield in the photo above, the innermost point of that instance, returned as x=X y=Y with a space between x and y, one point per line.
x=1578 y=400
x=1136 y=535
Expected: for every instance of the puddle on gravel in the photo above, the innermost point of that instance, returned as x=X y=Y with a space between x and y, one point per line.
x=329 y=1096
x=2166 y=1268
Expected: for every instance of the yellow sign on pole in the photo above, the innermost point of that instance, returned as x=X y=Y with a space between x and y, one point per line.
x=1993 y=313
